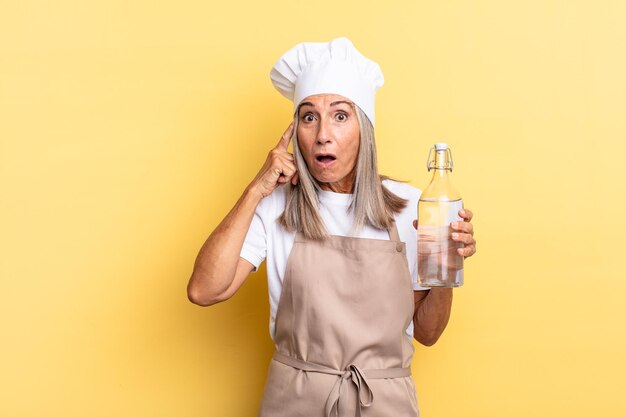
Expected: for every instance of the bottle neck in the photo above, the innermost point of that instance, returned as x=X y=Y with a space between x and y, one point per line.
x=441 y=167
x=440 y=188
x=442 y=163
x=440 y=173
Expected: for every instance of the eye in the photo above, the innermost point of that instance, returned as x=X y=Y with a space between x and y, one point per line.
x=342 y=117
x=308 y=117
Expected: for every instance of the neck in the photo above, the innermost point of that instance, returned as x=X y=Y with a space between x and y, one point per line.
x=336 y=188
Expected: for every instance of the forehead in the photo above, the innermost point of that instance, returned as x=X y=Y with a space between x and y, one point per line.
x=324 y=100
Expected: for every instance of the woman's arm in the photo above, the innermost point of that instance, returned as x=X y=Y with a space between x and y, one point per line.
x=431 y=315
x=432 y=307
x=219 y=271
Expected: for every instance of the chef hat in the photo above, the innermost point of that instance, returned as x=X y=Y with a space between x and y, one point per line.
x=334 y=67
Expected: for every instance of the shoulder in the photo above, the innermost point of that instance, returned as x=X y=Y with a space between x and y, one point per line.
x=403 y=190
x=412 y=194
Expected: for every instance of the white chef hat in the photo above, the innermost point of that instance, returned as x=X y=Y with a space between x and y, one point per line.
x=334 y=67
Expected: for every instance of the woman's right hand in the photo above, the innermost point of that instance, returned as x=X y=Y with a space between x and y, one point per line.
x=279 y=167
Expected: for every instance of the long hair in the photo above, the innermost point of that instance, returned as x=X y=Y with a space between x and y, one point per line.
x=372 y=203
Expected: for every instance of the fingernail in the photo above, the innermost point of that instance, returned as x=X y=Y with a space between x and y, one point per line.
x=453 y=224
x=455 y=235
x=463 y=211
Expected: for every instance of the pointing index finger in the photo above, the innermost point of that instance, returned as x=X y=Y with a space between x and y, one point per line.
x=286 y=138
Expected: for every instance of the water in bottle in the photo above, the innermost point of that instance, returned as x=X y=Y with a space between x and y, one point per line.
x=438 y=261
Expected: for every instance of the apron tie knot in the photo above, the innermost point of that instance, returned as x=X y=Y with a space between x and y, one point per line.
x=365 y=396
x=352 y=373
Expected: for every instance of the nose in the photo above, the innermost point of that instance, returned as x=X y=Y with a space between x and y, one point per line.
x=323 y=133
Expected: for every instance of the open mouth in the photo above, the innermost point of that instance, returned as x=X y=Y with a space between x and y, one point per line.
x=325 y=158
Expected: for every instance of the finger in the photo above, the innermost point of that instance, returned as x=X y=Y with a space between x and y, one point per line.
x=284 y=178
x=294 y=179
x=463 y=237
x=467 y=251
x=287 y=158
x=285 y=173
x=288 y=169
x=283 y=143
x=282 y=166
x=466 y=214
x=463 y=227
x=276 y=175
x=415 y=224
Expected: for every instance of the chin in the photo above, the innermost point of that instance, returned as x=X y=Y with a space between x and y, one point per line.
x=323 y=178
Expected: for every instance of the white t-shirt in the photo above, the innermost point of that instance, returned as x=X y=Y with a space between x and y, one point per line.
x=267 y=239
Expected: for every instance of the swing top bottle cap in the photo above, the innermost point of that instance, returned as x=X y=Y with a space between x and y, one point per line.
x=441 y=146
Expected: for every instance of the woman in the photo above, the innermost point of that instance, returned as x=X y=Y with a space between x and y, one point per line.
x=340 y=246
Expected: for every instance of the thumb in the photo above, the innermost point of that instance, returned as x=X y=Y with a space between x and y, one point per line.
x=294 y=179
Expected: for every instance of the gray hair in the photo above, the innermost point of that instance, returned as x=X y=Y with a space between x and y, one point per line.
x=372 y=203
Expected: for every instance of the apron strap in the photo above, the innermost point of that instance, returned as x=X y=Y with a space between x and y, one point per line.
x=393 y=233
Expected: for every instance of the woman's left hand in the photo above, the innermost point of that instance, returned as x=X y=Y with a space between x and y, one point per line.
x=464 y=232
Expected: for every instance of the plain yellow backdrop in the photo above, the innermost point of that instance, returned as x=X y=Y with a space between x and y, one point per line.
x=128 y=129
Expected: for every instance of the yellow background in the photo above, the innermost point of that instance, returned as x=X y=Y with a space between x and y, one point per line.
x=128 y=129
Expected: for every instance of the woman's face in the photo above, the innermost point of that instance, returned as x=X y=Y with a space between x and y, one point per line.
x=328 y=134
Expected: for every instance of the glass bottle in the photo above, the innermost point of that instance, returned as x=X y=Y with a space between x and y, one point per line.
x=438 y=262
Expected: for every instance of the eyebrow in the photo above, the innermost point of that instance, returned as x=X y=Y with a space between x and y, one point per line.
x=334 y=103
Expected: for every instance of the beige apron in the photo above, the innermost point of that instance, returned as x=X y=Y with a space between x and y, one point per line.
x=341 y=343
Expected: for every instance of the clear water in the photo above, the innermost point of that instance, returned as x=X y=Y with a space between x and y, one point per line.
x=438 y=262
